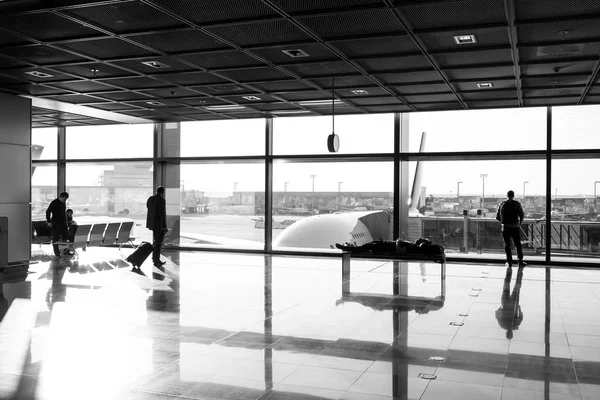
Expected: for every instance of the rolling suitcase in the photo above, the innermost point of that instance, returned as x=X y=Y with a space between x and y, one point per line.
x=140 y=254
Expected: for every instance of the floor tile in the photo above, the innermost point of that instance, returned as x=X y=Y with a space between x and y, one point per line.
x=324 y=378
x=460 y=391
x=519 y=394
x=383 y=385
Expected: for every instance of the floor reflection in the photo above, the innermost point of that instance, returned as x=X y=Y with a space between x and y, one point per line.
x=232 y=326
x=509 y=315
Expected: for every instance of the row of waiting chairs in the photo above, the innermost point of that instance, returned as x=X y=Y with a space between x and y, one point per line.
x=103 y=234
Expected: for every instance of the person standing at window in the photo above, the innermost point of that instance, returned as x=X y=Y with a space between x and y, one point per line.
x=156 y=221
x=511 y=215
x=56 y=217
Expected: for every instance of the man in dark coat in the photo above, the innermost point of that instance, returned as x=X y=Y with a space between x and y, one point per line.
x=511 y=215
x=56 y=217
x=156 y=221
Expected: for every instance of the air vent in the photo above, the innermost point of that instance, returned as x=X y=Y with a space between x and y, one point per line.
x=465 y=39
x=560 y=50
x=155 y=64
x=289 y=112
x=155 y=103
x=360 y=92
x=39 y=74
x=226 y=88
x=228 y=107
x=251 y=98
x=296 y=53
x=318 y=102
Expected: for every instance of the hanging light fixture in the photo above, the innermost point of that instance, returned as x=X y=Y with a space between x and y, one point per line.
x=333 y=141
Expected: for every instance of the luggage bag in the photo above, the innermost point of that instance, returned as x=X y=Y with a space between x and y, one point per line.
x=140 y=254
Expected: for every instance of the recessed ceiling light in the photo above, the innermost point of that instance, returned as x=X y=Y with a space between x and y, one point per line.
x=224 y=107
x=39 y=74
x=360 y=92
x=465 y=39
x=155 y=103
x=155 y=64
x=485 y=85
x=294 y=53
x=251 y=98
x=318 y=102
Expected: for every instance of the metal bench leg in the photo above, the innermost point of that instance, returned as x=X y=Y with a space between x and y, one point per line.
x=345 y=273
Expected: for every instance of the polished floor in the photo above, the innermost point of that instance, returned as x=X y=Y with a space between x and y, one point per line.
x=234 y=326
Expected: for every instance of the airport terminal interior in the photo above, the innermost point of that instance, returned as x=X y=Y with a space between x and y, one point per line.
x=279 y=130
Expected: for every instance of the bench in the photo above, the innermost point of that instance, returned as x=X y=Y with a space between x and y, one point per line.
x=347 y=256
x=100 y=234
x=395 y=258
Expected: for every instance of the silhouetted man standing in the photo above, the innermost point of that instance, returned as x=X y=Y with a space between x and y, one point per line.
x=156 y=221
x=510 y=214
x=56 y=217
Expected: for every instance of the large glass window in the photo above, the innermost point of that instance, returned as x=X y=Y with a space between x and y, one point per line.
x=43 y=189
x=316 y=205
x=360 y=134
x=223 y=138
x=222 y=205
x=102 y=192
x=575 y=191
x=478 y=130
x=575 y=127
x=44 y=144
x=110 y=141
x=450 y=187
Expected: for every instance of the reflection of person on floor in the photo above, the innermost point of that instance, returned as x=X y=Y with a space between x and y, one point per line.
x=423 y=267
x=58 y=291
x=509 y=315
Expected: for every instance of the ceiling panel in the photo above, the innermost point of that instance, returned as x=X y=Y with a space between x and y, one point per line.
x=260 y=33
x=106 y=49
x=464 y=13
x=358 y=23
x=47 y=26
x=126 y=16
x=218 y=11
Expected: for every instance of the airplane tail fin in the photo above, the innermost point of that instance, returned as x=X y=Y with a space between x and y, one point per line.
x=416 y=189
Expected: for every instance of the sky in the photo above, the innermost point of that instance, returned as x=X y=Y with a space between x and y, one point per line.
x=489 y=130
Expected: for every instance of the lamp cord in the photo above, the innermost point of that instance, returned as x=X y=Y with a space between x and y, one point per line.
x=332 y=105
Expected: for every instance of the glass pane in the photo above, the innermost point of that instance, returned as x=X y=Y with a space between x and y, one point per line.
x=110 y=141
x=107 y=192
x=575 y=127
x=221 y=205
x=316 y=205
x=450 y=187
x=308 y=135
x=478 y=130
x=44 y=144
x=223 y=138
x=43 y=189
x=575 y=225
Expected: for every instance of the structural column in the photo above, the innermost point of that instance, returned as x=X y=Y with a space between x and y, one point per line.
x=167 y=173
x=548 y=233
x=269 y=185
x=401 y=190
x=15 y=176
x=61 y=156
